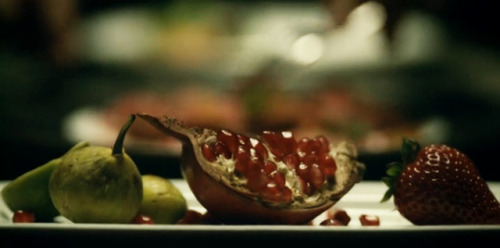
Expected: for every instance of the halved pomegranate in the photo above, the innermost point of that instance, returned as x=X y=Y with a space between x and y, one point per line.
x=267 y=179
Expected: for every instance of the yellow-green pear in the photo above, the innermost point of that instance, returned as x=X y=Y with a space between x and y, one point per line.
x=162 y=200
x=94 y=184
x=30 y=192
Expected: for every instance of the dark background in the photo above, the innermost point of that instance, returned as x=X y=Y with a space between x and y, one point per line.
x=42 y=80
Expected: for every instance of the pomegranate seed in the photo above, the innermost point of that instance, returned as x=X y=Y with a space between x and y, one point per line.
x=209 y=219
x=277 y=194
x=331 y=222
x=220 y=149
x=254 y=155
x=242 y=158
x=310 y=159
x=257 y=179
x=275 y=145
x=340 y=215
x=243 y=140
x=369 y=220
x=142 y=220
x=191 y=217
x=306 y=188
x=303 y=145
x=314 y=146
x=229 y=139
x=328 y=166
x=316 y=178
x=303 y=172
x=278 y=179
x=280 y=144
x=271 y=138
x=208 y=153
x=289 y=143
x=269 y=167
x=260 y=149
x=324 y=144
x=242 y=153
x=292 y=161
x=21 y=216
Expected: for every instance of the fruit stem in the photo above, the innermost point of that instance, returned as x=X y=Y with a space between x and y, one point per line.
x=118 y=146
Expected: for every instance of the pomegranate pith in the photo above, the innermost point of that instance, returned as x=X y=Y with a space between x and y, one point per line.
x=269 y=178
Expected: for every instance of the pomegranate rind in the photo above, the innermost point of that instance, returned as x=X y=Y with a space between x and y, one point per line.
x=230 y=200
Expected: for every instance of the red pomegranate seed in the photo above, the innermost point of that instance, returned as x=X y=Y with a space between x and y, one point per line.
x=289 y=143
x=208 y=153
x=310 y=159
x=369 y=220
x=316 y=178
x=340 y=215
x=21 y=216
x=254 y=155
x=314 y=146
x=220 y=149
x=229 y=139
x=277 y=194
x=142 y=220
x=280 y=144
x=260 y=149
x=303 y=145
x=303 y=172
x=242 y=158
x=191 y=217
x=324 y=144
x=257 y=179
x=327 y=166
x=278 y=179
x=269 y=167
x=331 y=222
x=271 y=138
x=305 y=186
x=292 y=161
x=243 y=140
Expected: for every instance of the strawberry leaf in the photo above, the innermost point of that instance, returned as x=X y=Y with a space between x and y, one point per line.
x=390 y=182
x=409 y=150
x=394 y=169
x=388 y=194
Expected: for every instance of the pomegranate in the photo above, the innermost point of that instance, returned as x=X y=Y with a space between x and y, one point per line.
x=21 y=216
x=267 y=179
x=142 y=219
x=332 y=222
x=369 y=220
x=340 y=215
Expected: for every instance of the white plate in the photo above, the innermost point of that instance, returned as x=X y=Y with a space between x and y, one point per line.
x=364 y=198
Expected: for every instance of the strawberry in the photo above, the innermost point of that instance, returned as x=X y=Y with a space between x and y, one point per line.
x=439 y=185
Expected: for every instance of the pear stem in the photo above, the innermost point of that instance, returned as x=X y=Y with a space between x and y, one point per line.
x=118 y=146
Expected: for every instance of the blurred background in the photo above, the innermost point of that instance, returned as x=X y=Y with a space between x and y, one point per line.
x=370 y=72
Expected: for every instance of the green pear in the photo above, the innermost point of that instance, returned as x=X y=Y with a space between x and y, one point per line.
x=162 y=201
x=94 y=184
x=30 y=192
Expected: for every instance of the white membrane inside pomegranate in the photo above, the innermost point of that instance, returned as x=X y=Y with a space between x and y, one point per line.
x=275 y=167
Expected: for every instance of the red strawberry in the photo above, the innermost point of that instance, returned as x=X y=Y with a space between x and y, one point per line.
x=439 y=185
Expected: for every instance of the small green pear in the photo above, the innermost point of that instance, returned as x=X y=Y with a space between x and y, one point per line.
x=162 y=201
x=94 y=184
x=30 y=192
